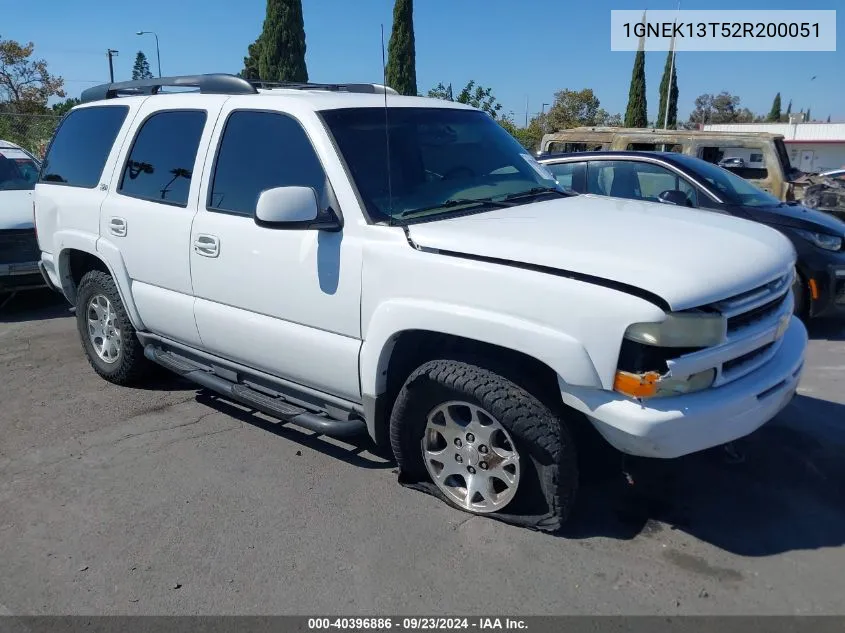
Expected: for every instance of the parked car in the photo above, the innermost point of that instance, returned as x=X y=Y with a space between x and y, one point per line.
x=19 y=252
x=819 y=286
x=408 y=270
x=732 y=163
x=767 y=164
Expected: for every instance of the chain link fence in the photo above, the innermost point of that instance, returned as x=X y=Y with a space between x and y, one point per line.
x=31 y=131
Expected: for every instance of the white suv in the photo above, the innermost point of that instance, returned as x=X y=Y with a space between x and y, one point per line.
x=348 y=259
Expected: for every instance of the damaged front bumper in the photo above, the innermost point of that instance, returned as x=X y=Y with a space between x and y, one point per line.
x=678 y=425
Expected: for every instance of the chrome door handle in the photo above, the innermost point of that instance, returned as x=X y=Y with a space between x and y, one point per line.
x=117 y=226
x=207 y=245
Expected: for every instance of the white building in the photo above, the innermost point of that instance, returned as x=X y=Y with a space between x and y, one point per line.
x=813 y=147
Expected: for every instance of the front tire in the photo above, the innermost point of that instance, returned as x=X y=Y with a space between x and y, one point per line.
x=108 y=338
x=487 y=445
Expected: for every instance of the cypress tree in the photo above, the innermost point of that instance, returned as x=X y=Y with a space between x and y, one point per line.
x=141 y=69
x=789 y=109
x=808 y=118
x=251 y=61
x=673 y=97
x=401 y=53
x=774 y=113
x=282 y=42
x=636 y=112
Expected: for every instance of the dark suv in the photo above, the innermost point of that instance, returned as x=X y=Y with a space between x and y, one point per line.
x=682 y=180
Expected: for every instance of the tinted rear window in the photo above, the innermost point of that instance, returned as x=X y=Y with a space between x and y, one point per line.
x=82 y=143
x=161 y=163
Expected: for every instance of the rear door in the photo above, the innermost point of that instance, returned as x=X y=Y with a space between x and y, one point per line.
x=151 y=205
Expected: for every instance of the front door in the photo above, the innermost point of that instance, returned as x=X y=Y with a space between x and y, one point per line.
x=283 y=301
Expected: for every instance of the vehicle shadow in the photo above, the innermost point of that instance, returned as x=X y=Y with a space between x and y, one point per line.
x=782 y=489
x=826 y=330
x=33 y=305
x=359 y=451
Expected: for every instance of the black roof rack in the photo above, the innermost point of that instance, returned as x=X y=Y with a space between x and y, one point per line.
x=218 y=83
x=292 y=85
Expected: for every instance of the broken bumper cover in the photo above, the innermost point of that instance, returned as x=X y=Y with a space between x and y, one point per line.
x=679 y=425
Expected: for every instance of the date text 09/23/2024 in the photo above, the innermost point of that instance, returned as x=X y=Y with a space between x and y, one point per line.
x=416 y=623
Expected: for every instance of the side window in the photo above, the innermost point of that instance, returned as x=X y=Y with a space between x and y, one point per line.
x=259 y=151
x=744 y=164
x=569 y=175
x=161 y=162
x=81 y=146
x=636 y=180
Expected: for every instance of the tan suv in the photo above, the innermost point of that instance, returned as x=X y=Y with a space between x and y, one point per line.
x=765 y=161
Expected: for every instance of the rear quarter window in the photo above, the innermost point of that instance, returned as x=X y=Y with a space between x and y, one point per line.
x=81 y=146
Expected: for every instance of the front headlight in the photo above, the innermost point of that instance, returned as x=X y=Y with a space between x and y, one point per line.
x=822 y=240
x=642 y=371
x=681 y=330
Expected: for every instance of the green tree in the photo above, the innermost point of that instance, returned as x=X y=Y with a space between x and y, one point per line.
x=251 y=61
x=721 y=108
x=788 y=111
x=808 y=117
x=574 y=108
x=282 y=43
x=636 y=112
x=774 y=113
x=25 y=83
x=141 y=69
x=670 y=78
x=441 y=91
x=479 y=97
x=828 y=118
x=401 y=51
x=63 y=107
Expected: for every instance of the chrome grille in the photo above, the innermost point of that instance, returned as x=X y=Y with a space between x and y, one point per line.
x=755 y=323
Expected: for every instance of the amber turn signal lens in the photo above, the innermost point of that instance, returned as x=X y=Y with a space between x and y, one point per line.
x=636 y=385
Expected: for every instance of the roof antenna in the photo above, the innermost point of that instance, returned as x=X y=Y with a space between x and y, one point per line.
x=386 y=132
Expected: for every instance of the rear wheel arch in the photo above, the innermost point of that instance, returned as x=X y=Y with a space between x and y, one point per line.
x=74 y=263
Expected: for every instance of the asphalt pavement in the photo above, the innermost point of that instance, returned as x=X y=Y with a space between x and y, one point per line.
x=167 y=500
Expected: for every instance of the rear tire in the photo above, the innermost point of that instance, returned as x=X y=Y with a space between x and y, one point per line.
x=108 y=337
x=544 y=475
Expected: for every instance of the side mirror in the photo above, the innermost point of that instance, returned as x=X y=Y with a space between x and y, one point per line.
x=673 y=196
x=293 y=208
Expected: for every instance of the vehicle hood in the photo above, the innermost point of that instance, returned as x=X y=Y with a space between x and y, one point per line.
x=684 y=256
x=797 y=217
x=15 y=209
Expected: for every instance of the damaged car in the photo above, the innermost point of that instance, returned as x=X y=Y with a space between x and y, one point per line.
x=686 y=181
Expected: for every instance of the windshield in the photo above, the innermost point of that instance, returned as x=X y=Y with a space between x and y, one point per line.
x=18 y=171
x=441 y=161
x=729 y=186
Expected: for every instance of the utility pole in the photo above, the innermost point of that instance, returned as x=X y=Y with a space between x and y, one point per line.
x=111 y=53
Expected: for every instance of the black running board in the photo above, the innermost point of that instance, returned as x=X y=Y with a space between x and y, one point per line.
x=239 y=392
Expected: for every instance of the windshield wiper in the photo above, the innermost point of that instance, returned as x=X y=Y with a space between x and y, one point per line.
x=536 y=191
x=456 y=202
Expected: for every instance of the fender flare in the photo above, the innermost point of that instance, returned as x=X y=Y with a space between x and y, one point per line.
x=106 y=252
x=561 y=352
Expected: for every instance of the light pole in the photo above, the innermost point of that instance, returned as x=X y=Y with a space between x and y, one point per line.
x=158 y=55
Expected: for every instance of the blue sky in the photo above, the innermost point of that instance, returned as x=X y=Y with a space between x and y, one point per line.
x=529 y=48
